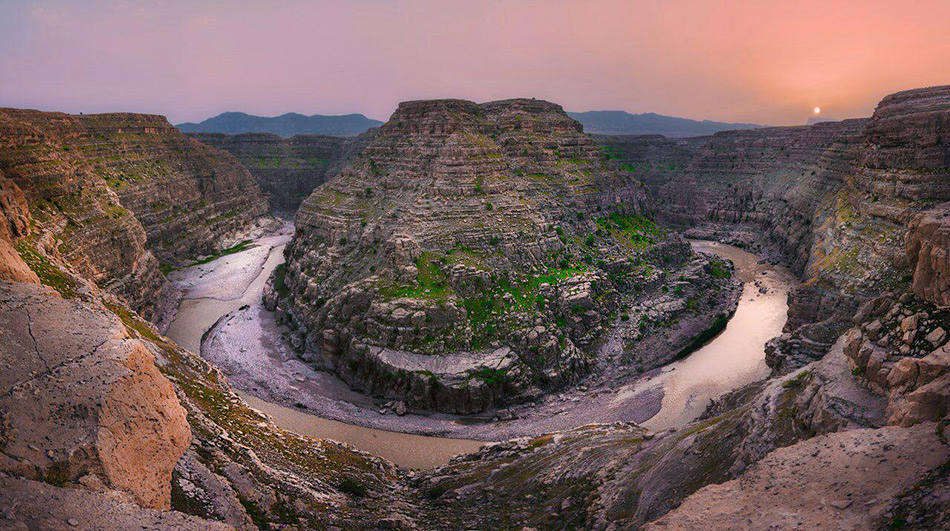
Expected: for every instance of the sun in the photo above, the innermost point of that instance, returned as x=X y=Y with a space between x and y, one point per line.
x=817 y=110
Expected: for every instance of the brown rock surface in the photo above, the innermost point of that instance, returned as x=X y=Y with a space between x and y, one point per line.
x=81 y=399
x=842 y=481
x=14 y=224
x=619 y=476
x=27 y=504
x=470 y=252
x=110 y=192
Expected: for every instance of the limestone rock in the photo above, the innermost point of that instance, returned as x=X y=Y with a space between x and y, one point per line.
x=461 y=225
x=790 y=488
x=26 y=504
x=80 y=397
x=288 y=169
x=111 y=192
x=14 y=224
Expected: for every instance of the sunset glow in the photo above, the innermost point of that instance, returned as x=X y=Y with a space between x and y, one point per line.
x=760 y=62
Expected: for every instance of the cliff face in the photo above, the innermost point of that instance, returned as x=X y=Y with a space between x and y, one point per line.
x=110 y=193
x=834 y=200
x=101 y=418
x=654 y=160
x=495 y=232
x=14 y=225
x=288 y=169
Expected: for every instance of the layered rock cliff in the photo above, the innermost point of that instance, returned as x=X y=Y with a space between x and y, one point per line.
x=288 y=169
x=856 y=439
x=470 y=253
x=110 y=193
x=654 y=160
x=835 y=201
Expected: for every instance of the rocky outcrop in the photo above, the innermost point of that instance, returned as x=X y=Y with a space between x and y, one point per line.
x=620 y=476
x=790 y=488
x=100 y=408
x=288 y=169
x=110 y=193
x=29 y=504
x=471 y=253
x=14 y=225
x=82 y=402
x=835 y=201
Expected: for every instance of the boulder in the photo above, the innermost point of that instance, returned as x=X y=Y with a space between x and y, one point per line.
x=81 y=398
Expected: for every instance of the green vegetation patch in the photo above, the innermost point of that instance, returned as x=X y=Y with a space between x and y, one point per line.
x=431 y=281
x=280 y=277
x=719 y=269
x=634 y=231
x=48 y=273
x=243 y=246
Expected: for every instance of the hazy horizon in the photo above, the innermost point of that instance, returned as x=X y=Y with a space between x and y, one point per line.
x=747 y=62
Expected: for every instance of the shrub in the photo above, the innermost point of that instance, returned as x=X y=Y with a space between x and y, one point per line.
x=352 y=487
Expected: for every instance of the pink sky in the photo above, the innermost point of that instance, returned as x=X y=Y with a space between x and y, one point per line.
x=762 y=61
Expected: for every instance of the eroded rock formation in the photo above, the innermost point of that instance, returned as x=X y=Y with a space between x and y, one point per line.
x=470 y=253
x=109 y=193
x=855 y=437
x=288 y=169
x=82 y=401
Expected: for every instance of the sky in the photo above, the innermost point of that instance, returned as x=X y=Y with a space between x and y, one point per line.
x=760 y=61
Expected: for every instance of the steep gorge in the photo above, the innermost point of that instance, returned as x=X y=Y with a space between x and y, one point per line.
x=120 y=196
x=473 y=254
x=289 y=169
x=852 y=434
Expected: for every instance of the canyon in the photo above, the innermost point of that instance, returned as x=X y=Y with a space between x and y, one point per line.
x=289 y=169
x=486 y=272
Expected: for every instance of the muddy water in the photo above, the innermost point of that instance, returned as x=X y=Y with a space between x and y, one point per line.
x=406 y=450
x=196 y=316
x=734 y=358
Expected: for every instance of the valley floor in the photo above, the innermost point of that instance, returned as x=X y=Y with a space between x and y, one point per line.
x=222 y=312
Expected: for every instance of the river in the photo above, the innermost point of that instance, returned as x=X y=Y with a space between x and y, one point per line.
x=732 y=359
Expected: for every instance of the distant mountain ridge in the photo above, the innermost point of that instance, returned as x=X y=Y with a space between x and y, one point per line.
x=624 y=123
x=285 y=125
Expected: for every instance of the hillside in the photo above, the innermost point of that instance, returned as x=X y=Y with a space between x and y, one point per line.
x=288 y=169
x=121 y=196
x=624 y=123
x=494 y=234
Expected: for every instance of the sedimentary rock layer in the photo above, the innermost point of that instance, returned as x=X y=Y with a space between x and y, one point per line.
x=110 y=193
x=496 y=233
x=288 y=169
x=833 y=200
x=652 y=159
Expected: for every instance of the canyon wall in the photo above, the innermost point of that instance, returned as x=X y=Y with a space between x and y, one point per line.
x=652 y=159
x=288 y=169
x=106 y=424
x=118 y=196
x=835 y=201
